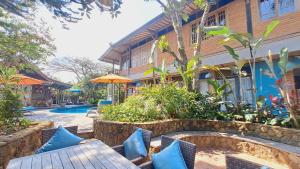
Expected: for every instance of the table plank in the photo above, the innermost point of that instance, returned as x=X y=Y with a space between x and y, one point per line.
x=64 y=158
x=26 y=163
x=74 y=159
x=81 y=156
x=56 y=163
x=114 y=157
x=37 y=162
x=46 y=160
x=97 y=164
x=91 y=155
x=14 y=164
x=101 y=158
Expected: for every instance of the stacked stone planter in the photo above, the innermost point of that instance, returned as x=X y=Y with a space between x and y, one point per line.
x=113 y=133
x=21 y=143
x=283 y=147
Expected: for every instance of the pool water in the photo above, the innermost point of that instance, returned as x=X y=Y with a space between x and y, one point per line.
x=71 y=109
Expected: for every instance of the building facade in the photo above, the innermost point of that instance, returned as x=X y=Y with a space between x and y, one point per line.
x=133 y=51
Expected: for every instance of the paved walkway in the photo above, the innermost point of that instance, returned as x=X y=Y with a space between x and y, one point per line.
x=83 y=123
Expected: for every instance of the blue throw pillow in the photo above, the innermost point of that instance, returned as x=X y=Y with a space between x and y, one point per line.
x=62 y=138
x=134 y=146
x=169 y=158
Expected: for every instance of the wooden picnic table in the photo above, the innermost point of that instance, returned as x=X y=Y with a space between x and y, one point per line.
x=90 y=155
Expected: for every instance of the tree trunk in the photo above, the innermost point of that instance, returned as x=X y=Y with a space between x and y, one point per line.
x=197 y=51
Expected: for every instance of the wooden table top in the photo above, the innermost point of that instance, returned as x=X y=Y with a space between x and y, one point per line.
x=91 y=155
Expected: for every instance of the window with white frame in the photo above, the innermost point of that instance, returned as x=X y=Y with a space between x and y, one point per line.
x=221 y=18
x=140 y=55
x=194 y=33
x=286 y=6
x=213 y=20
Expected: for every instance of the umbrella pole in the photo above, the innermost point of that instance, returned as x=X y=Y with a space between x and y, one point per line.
x=113 y=93
x=119 y=94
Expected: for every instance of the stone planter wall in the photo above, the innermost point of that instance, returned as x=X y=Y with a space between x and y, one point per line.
x=21 y=143
x=271 y=154
x=114 y=133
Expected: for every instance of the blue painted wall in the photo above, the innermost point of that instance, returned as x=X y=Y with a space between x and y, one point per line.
x=266 y=85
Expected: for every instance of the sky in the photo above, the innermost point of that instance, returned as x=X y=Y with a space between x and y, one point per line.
x=91 y=37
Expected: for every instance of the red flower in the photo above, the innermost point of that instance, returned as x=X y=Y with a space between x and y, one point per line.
x=278 y=81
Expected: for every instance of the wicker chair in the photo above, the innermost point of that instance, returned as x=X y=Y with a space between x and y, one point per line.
x=48 y=133
x=237 y=163
x=146 y=138
x=188 y=151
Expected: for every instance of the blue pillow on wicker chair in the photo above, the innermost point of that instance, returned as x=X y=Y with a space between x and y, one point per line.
x=62 y=138
x=134 y=146
x=169 y=158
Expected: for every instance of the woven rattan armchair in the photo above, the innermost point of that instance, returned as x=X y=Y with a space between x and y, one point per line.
x=188 y=151
x=146 y=138
x=237 y=163
x=48 y=133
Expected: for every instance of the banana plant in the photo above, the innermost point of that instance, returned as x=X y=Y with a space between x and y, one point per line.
x=162 y=71
x=281 y=82
x=247 y=41
x=219 y=89
x=188 y=74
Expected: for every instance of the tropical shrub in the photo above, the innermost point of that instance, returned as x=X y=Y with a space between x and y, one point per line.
x=135 y=108
x=156 y=103
x=10 y=103
x=166 y=102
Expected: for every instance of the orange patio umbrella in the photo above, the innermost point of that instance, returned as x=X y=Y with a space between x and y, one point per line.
x=111 y=78
x=20 y=79
x=25 y=80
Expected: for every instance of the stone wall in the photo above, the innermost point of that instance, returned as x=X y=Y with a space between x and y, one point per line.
x=21 y=143
x=114 y=133
x=257 y=149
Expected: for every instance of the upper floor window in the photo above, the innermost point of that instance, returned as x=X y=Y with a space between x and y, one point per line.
x=194 y=33
x=222 y=18
x=267 y=9
x=272 y=8
x=213 y=20
x=286 y=6
x=140 y=55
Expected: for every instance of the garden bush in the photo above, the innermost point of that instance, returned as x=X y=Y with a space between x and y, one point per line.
x=165 y=102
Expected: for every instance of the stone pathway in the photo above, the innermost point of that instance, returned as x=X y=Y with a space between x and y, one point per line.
x=83 y=123
x=215 y=159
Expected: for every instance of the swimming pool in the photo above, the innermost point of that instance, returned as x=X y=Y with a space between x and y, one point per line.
x=71 y=109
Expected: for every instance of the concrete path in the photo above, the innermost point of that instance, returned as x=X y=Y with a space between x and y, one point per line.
x=83 y=123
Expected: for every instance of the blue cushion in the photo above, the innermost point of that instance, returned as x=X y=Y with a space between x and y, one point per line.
x=62 y=138
x=169 y=158
x=134 y=146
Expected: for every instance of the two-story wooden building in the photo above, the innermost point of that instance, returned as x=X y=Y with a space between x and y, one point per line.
x=132 y=52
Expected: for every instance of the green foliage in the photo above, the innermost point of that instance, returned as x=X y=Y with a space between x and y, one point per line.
x=218 y=89
x=156 y=103
x=166 y=102
x=21 y=42
x=231 y=52
x=10 y=104
x=270 y=28
x=283 y=60
x=162 y=71
x=163 y=44
x=188 y=74
x=135 y=109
